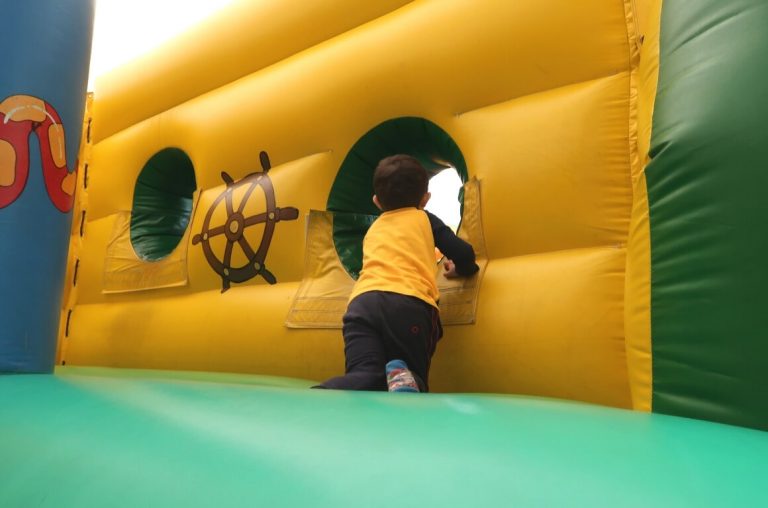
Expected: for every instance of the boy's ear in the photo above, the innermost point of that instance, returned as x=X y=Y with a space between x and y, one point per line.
x=376 y=202
x=425 y=200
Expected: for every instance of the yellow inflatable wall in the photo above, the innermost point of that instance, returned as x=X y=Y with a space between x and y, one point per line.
x=541 y=98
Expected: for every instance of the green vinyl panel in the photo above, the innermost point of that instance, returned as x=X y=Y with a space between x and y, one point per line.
x=115 y=438
x=708 y=193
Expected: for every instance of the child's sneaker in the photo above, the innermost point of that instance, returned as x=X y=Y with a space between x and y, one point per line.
x=400 y=378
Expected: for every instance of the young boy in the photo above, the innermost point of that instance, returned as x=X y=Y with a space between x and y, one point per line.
x=392 y=323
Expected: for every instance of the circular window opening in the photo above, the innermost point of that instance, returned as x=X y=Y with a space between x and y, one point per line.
x=162 y=204
x=352 y=191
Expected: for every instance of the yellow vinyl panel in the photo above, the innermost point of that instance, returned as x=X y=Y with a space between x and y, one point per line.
x=118 y=160
x=536 y=96
x=548 y=324
x=296 y=185
x=72 y=279
x=239 y=40
x=648 y=72
x=301 y=106
x=554 y=167
x=238 y=331
x=638 y=302
x=492 y=51
x=638 y=288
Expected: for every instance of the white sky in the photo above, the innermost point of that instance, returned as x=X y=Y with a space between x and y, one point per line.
x=444 y=203
x=125 y=29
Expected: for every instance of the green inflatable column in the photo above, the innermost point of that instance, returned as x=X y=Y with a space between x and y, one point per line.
x=707 y=186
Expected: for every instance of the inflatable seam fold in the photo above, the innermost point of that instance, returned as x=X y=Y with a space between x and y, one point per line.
x=74 y=264
x=638 y=279
x=543 y=91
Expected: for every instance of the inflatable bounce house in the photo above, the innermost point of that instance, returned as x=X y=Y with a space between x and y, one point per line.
x=178 y=249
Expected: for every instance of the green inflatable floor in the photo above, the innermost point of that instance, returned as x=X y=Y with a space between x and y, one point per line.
x=118 y=438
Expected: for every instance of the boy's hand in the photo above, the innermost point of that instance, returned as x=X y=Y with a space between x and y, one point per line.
x=450 y=269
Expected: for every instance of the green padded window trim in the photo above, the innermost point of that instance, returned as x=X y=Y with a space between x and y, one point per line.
x=708 y=194
x=348 y=232
x=162 y=204
x=353 y=188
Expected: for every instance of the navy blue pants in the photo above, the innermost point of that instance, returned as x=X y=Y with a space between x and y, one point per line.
x=380 y=326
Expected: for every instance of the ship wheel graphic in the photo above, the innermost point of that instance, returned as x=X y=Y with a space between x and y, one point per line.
x=234 y=228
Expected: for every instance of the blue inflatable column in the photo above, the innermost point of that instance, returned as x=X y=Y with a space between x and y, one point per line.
x=46 y=46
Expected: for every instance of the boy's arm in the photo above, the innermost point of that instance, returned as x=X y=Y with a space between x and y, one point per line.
x=453 y=247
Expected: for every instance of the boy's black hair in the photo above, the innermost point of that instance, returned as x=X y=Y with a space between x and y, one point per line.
x=399 y=181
